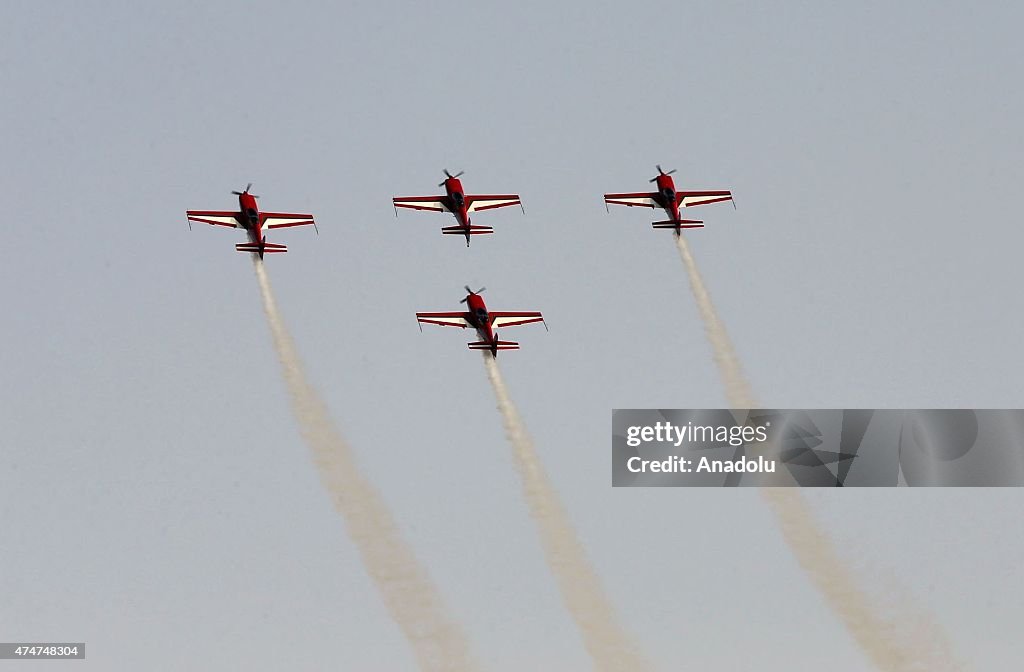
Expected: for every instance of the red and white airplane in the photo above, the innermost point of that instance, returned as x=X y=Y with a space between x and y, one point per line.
x=667 y=198
x=486 y=323
x=460 y=204
x=249 y=217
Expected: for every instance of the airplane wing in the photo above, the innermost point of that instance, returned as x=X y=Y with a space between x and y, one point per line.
x=432 y=203
x=281 y=220
x=444 y=319
x=512 y=319
x=691 y=198
x=632 y=200
x=215 y=217
x=477 y=203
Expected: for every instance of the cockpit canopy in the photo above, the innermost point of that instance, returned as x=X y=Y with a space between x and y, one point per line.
x=668 y=193
x=458 y=199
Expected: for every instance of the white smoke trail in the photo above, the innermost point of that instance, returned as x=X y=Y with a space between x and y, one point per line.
x=890 y=643
x=605 y=640
x=411 y=598
x=737 y=389
x=877 y=637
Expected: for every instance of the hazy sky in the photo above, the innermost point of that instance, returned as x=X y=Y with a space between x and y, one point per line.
x=155 y=496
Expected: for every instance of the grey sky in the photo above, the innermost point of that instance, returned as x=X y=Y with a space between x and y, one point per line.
x=156 y=498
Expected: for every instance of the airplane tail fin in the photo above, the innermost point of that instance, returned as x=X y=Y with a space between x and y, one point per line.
x=267 y=248
x=682 y=224
x=474 y=230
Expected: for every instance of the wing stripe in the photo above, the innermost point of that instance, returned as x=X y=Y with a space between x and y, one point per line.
x=441 y=323
x=275 y=222
x=284 y=225
x=479 y=202
x=223 y=220
x=515 y=323
x=492 y=207
x=688 y=203
x=632 y=204
x=643 y=200
x=418 y=207
x=692 y=198
x=431 y=203
x=444 y=319
x=514 y=318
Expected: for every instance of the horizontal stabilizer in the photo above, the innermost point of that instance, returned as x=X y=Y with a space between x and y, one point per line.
x=487 y=345
x=461 y=230
x=267 y=248
x=682 y=224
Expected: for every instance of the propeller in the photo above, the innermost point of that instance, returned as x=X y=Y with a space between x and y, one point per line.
x=450 y=176
x=472 y=292
x=662 y=172
x=247 y=188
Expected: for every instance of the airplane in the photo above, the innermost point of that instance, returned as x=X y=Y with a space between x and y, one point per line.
x=667 y=198
x=460 y=204
x=486 y=323
x=249 y=217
